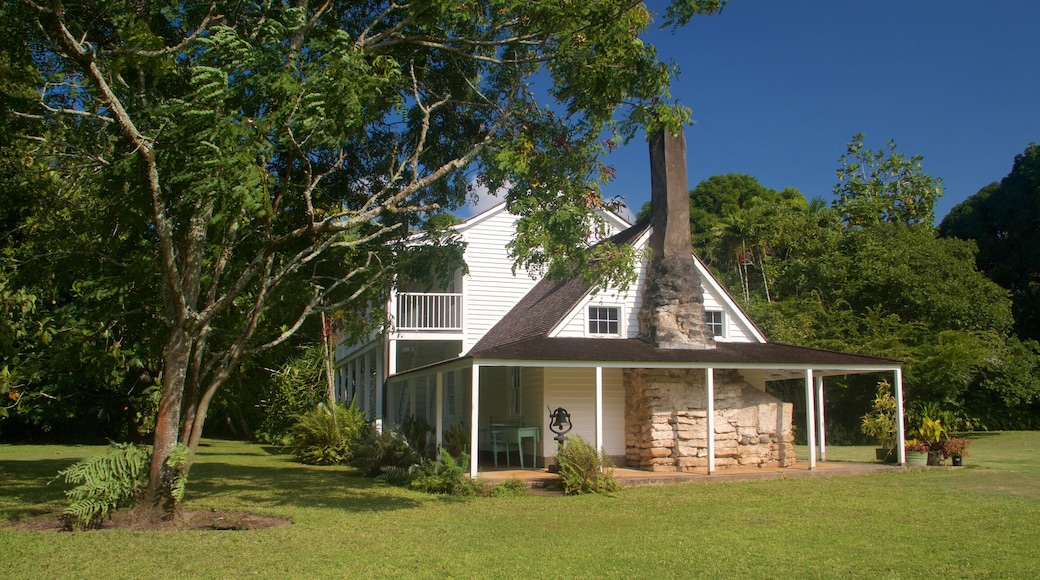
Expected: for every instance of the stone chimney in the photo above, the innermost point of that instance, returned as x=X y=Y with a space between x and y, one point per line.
x=672 y=315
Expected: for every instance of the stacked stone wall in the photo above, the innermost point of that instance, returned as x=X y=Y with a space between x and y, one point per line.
x=666 y=422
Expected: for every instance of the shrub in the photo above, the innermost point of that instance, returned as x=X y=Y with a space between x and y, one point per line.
x=292 y=389
x=326 y=436
x=379 y=453
x=448 y=475
x=584 y=469
x=417 y=431
x=113 y=480
x=456 y=439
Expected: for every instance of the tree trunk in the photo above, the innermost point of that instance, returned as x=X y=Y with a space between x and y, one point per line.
x=158 y=498
x=328 y=351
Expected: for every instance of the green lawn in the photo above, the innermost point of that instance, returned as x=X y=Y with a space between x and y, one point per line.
x=981 y=521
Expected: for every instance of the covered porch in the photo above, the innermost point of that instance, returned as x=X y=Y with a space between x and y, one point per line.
x=521 y=391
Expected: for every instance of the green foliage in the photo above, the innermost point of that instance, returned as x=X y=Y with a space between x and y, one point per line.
x=378 y=452
x=456 y=439
x=448 y=476
x=584 y=469
x=884 y=187
x=512 y=487
x=877 y=281
x=417 y=431
x=325 y=436
x=114 y=480
x=284 y=393
x=1002 y=220
x=880 y=422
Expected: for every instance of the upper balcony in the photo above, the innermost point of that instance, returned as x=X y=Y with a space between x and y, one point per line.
x=428 y=311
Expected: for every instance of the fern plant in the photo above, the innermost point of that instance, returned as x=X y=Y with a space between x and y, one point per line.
x=387 y=449
x=327 y=436
x=449 y=476
x=114 y=480
x=585 y=469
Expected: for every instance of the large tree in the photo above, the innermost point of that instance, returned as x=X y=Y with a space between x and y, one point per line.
x=263 y=154
x=1004 y=220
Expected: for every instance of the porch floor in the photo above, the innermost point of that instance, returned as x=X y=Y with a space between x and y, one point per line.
x=629 y=477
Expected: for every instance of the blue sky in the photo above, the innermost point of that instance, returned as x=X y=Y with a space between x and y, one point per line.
x=778 y=88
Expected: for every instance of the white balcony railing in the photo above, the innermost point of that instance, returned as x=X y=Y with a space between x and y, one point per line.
x=423 y=311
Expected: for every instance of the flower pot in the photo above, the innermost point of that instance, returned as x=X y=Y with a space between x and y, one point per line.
x=884 y=454
x=957 y=460
x=916 y=458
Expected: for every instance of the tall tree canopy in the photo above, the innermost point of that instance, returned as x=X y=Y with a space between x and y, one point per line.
x=870 y=275
x=884 y=186
x=244 y=164
x=1004 y=220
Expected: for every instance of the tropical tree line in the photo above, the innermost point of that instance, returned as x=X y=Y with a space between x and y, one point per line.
x=870 y=273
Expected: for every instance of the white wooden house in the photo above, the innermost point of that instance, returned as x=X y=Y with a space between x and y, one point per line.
x=495 y=350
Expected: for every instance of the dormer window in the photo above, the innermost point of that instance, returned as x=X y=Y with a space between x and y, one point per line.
x=604 y=320
x=716 y=322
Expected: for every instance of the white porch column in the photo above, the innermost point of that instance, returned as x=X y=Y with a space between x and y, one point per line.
x=391 y=357
x=599 y=409
x=438 y=393
x=900 y=430
x=709 y=381
x=355 y=381
x=363 y=384
x=810 y=417
x=350 y=382
x=474 y=420
x=379 y=380
x=820 y=429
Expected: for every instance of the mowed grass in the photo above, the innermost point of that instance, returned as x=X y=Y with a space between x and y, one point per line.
x=980 y=521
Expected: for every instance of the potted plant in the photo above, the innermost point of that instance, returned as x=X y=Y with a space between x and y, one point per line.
x=955 y=448
x=880 y=422
x=933 y=434
x=916 y=453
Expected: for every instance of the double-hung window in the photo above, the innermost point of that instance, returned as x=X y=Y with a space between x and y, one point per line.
x=604 y=320
x=716 y=322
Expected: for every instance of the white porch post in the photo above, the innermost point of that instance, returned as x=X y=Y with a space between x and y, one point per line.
x=599 y=409
x=363 y=384
x=350 y=383
x=379 y=380
x=900 y=430
x=438 y=394
x=810 y=417
x=391 y=357
x=474 y=420
x=820 y=429
x=355 y=377
x=710 y=411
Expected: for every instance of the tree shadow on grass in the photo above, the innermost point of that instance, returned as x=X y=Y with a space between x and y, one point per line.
x=293 y=485
x=29 y=487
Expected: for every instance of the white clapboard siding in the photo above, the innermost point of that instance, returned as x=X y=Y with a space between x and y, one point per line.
x=490 y=289
x=575 y=390
x=738 y=327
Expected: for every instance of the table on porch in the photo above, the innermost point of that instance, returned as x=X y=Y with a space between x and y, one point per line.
x=503 y=437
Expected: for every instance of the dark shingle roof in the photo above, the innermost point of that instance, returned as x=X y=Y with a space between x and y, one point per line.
x=637 y=351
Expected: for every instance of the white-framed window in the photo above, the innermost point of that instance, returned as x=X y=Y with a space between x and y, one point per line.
x=514 y=392
x=716 y=321
x=604 y=320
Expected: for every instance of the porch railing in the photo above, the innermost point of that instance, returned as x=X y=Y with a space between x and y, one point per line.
x=429 y=311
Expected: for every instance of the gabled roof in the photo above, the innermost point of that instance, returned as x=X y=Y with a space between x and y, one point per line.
x=547 y=304
x=523 y=335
